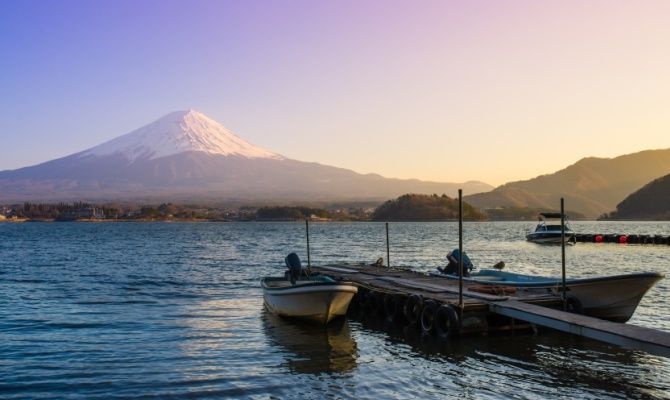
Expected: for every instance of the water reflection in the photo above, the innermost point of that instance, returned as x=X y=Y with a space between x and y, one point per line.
x=174 y=311
x=312 y=349
x=546 y=359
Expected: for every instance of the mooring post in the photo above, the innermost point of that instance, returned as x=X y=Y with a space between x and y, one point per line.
x=565 y=302
x=388 y=252
x=460 y=251
x=309 y=261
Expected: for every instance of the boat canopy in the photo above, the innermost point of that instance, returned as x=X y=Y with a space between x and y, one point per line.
x=551 y=215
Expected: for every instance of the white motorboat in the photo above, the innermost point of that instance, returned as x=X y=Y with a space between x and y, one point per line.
x=548 y=230
x=316 y=298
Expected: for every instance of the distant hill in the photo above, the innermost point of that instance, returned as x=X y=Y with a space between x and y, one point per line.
x=525 y=213
x=186 y=156
x=651 y=202
x=592 y=186
x=419 y=207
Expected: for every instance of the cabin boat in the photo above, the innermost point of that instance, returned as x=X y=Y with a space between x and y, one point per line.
x=548 y=230
x=299 y=294
x=613 y=298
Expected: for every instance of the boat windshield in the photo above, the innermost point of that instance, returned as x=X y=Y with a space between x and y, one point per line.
x=551 y=224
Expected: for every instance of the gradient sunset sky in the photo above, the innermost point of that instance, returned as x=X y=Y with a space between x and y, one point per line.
x=436 y=90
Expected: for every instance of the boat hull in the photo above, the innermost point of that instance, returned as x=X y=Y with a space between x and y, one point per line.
x=613 y=298
x=550 y=237
x=317 y=302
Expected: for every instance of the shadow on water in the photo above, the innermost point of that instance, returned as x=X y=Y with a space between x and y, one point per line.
x=542 y=358
x=312 y=349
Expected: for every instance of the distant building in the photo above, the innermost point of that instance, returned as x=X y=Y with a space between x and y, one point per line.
x=314 y=217
x=88 y=212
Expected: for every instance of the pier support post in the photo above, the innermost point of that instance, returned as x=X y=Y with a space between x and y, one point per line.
x=309 y=261
x=460 y=252
x=565 y=302
x=388 y=252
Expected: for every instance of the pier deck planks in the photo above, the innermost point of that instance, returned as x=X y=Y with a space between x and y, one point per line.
x=625 y=335
x=410 y=282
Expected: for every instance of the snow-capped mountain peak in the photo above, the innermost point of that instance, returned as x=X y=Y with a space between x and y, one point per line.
x=179 y=132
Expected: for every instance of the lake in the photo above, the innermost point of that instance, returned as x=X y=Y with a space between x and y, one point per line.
x=156 y=310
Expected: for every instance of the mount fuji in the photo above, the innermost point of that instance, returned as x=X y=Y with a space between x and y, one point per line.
x=187 y=156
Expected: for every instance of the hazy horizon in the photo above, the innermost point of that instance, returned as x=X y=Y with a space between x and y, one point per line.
x=444 y=91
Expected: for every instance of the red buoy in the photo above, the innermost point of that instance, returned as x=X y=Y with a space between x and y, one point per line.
x=599 y=238
x=623 y=239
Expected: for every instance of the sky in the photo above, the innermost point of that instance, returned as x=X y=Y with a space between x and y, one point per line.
x=448 y=91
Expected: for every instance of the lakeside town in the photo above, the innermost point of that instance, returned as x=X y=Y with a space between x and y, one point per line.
x=408 y=207
x=81 y=211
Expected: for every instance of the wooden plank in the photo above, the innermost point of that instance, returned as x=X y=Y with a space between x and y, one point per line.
x=368 y=275
x=625 y=335
x=386 y=283
x=338 y=269
x=376 y=271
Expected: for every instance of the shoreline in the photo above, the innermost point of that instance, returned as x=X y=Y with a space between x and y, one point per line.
x=191 y=220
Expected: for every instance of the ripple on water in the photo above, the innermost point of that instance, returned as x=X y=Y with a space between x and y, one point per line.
x=175 y=310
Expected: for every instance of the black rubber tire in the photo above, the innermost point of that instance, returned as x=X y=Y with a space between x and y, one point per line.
x=399 y=316
x=371 y=303
x=573 y=305
x=391 y=305
x=428 y=316
x=412 y=309
x=446 y=322
x=361 y=298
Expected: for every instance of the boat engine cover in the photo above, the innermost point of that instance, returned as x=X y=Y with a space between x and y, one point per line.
x=294 y=267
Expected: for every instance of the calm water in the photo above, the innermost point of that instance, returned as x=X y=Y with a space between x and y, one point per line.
x=126 y=310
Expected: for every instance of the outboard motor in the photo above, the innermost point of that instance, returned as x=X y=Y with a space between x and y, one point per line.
x=294 y=267
x=452 y=267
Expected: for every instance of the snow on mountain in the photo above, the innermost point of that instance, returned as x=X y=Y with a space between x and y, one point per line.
x=180 y=132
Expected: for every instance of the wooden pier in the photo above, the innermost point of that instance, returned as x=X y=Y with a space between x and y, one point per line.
x=409 y=297
x=449 y=307
x=625 y=335
x=431 y=304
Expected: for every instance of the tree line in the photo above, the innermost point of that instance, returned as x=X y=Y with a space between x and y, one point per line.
x=421 y=207
x=408 y=207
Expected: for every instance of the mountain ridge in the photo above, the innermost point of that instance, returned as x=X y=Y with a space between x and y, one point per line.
x=181 y=155
x=591 y=186
x=650 y=202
